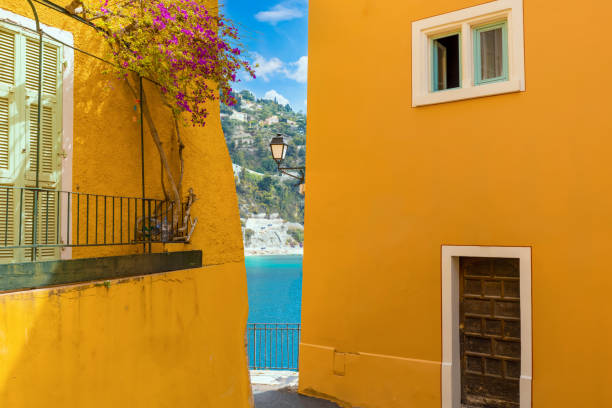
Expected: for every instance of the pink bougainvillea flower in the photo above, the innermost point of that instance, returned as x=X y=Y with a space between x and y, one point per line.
x=192 y=54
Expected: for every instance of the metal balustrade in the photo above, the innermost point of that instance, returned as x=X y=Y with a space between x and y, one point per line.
x=40 y=220
x=273 y=346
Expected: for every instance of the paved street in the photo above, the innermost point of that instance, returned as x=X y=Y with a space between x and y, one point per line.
x=288 y=398
x=278 y=389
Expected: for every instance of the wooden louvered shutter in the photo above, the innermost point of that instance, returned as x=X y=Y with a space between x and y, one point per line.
x=50 y=66
x=46 y=230
x=19 y=143
x=7 y=208
x=50 y=130
x=48 y=139
x=8 y=225
x=8 y=113
x=7 y=94
x=7 y=58
x=5 y=132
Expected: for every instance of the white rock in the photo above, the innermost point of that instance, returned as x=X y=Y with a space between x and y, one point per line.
x=270 y=236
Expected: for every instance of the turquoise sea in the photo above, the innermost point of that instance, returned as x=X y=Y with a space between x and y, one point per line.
x=275 y=288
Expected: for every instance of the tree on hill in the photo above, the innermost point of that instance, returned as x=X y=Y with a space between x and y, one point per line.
x=268 y=193
x=265 y=183
x=247 y=96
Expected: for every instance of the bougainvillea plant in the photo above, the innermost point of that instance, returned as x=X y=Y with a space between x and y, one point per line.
x=190 y=52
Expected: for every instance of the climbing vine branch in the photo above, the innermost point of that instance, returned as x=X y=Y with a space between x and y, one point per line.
x=190 y=52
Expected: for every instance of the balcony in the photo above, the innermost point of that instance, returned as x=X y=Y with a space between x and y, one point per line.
x=40 y=227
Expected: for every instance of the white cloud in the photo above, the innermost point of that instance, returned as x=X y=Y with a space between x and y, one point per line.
x=244 y=76
x=273 y=95
x=264 y=68
x=300 y=72
x=281 y=12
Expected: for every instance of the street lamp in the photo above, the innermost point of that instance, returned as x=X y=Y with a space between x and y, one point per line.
x=278 y=147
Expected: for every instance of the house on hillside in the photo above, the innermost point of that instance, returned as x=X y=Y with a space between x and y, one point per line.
x=239 y=116
x=105 y=284
x=242 y=138
x=247 y=104
x=478 y=274
x=270 y=120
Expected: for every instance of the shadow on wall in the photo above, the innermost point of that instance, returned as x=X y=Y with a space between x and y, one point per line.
x=107 y=117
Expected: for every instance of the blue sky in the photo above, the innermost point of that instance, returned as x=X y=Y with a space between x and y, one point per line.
x=275 y=35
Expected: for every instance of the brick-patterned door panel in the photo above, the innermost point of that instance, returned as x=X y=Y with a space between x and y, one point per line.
x=490 y=332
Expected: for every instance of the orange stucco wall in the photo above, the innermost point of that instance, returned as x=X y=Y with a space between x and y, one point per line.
x=389 y=184
x=168 y=340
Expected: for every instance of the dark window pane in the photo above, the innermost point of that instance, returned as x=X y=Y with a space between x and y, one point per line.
x=447 y=73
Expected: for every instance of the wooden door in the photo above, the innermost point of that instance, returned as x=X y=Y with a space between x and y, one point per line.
x=490 y=332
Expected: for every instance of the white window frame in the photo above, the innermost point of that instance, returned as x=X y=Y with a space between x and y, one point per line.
x=465 y=21
x=12 y=19
x=451 y=359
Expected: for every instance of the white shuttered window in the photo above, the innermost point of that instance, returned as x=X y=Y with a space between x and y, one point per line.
x=19 y=142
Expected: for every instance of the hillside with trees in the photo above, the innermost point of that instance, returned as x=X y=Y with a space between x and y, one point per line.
x=262 y=192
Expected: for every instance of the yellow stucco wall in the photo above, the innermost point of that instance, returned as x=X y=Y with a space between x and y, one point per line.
x=389 y=184
x=168 y=340
x=157 y=341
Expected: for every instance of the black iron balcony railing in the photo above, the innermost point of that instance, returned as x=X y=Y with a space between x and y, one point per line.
x=273 y=346
x=40 y=220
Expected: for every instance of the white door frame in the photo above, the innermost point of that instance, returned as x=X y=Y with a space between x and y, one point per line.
x=451 y=365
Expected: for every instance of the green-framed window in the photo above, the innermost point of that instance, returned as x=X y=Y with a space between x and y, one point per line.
x=491 y=53
x=446 y=61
